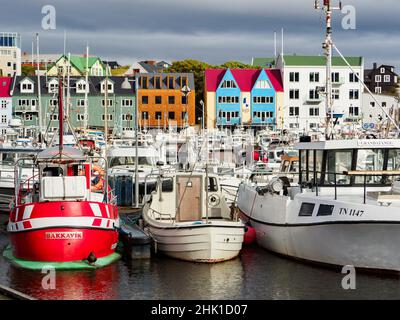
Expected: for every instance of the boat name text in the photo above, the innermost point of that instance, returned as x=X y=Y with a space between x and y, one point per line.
x=64 y=235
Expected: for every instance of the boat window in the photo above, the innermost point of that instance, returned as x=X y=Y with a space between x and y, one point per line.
x=167 y=185
x=393 y=162
x=285 y=166
x=370 y=160
x=306 y=209
x=8 y=158
x=130 y=161
x=52 y=172
x=325 y=210
x=212 y=184
x=337 y=162
x=294 y=166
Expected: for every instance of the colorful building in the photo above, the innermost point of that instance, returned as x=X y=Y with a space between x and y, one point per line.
x=166 y=99
x=245 y=97
x=5 y=104
x=120 y=106
x=10 y=54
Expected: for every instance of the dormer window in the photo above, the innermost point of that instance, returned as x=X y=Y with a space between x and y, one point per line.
x=228 y=84
x=80 y=86
x=263 y=84
x=382 y=70
x=53 y=86
x=110 y=86
x=26 y=86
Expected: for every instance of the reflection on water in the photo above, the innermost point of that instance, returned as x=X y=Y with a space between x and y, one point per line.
x=257 y=274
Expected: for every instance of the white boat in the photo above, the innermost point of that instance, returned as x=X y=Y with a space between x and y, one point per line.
x=192 y=222
x=344 y=211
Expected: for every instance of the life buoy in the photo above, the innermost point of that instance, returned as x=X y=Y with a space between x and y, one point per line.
x=14 y=144
x=25 y=144
x=213 y=200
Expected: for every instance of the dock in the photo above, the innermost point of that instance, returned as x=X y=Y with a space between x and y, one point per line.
x=7 y=293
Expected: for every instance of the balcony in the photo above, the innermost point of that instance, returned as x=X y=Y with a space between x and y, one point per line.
x=313 y=100
x=341 y=81
x=26 y=108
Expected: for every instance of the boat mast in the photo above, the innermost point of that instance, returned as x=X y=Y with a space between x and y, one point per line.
x=327 y=46
x=39 y=86
x=60 y=116
x=85 y=116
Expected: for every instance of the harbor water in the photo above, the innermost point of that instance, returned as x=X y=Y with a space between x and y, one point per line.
x=256 y=274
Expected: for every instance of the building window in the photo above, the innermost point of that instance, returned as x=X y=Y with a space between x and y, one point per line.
x=53 y=102
x=294 y=77
x=4 y=104
x=353 y=77
x=110 y=102
x=294 y=94
x=314 y=76
x=80 y=102
x=171 y=82
x=53 y=87
x=386 y=78
x=335 y=77
x=293 y=111
x=314 y=94
x=171 y=100
x=184 y=100
x=382 y=70
x=3 y=119
x=384 y=104
x=158 y=100
x=184 y=82
x=263 y=84
x=127 y=117
x=228 y=84
x=171 y=115
x=144 y=82
x=372 y=104
x=378 y=78
x=225 y=99
x=109 y=117
x=335 y=94
x=378 y=90
x=81 y=86
x=145 y=100
x=80 y=117
x=23 y=102
x=314 y=112
x=158 y=115
x=353 y=94
x=28 y=117
x=145 y=115
x=26 y=87
x=264 y=100
x=263 y=115
x=54 y=117
x=127 y=103
x=354 y=111
x=294 y=125
x=157 y=82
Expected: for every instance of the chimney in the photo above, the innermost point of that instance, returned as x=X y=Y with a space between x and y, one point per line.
x=375 y=65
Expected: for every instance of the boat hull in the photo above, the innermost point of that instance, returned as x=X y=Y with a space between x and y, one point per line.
x=199 y=243
x=63 y=231
x=369 y=246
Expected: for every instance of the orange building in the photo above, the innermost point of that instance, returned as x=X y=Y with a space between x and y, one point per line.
x=166 y=99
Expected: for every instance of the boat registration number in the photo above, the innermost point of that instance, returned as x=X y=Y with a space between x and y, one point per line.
x=351 y=212
x=64 y=235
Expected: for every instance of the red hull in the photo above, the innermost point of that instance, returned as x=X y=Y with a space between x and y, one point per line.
x=63 y=231
x=45 y=245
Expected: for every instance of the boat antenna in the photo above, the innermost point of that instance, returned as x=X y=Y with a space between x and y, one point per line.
x=327 y=8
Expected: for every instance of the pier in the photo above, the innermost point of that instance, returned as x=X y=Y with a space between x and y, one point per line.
x=11 y=294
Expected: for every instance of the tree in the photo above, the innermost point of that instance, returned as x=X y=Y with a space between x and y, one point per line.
x=237 y=65
x=28 y=70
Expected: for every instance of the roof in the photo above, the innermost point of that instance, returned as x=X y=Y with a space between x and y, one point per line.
x=295 y=60
x=245 y=78
x=164 y=76
x=5 y=83
x=94 y=85
x=80 y=62
x=263 y=62
x=69 y=153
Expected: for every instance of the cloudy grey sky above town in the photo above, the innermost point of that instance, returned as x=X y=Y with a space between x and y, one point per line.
x=207 y=30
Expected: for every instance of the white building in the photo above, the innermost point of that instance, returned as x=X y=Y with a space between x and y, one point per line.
x=10 y=54
x=372 y=113
x=304 y=105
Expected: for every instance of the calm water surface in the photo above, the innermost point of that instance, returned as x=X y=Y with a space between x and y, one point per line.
x=256 y=274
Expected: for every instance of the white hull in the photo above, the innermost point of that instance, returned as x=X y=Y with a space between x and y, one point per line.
x=199 y=243
x=369 y=241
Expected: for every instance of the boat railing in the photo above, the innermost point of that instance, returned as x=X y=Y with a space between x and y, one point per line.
x=20 y=185
x=317 y=183
x=156 y=215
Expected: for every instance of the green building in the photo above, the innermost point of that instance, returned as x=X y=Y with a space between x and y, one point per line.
x=120 y=110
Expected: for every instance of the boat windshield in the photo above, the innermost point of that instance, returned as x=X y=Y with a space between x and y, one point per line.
x=131 y=161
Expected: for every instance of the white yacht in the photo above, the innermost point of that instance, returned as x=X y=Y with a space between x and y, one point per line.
x=344 y=210
x=189 y=219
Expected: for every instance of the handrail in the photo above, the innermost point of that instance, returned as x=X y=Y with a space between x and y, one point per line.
x=160 y=214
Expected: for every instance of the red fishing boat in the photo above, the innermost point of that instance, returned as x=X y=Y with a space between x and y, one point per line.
x=61 y=219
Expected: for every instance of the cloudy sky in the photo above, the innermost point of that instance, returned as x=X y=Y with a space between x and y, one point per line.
x=210 y=30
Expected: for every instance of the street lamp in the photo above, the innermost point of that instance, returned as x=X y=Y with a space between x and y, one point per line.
x=202 y=119
x=185 y=91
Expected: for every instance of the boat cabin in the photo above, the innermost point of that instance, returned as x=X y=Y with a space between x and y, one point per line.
x=328 y=163
x=189 y=197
